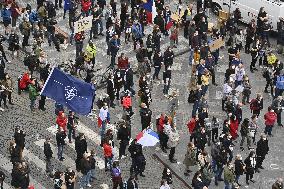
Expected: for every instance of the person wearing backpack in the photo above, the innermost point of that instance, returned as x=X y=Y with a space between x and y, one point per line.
x=116 y=176
x=279 y=88
x=256 y=105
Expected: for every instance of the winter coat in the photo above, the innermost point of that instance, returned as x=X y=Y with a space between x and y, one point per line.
x=86 y=4
x=20 y=139
x=239 y=167
x=229 y=175
x=190 y=158
x=122 y=63
x=126 y=102
x=61 y=121
x=107 y=150
x=33 y=93
x=47 y=150
x=15 y=154
x=262 y=147
x=250 y=163
x=191 y=125
x=123 y=134
x=67 y=4
x=270 y=118
x=60 y=138
x=85 y=166
x=234 y=124
x=25 y=81
x=80 y=146
x=6 y=15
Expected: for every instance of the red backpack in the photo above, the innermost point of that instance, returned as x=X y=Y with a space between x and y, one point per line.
x=252 y=104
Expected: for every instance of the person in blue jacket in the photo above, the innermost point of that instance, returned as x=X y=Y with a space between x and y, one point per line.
x=279 y=85
x=6 y=15
x=67 y=5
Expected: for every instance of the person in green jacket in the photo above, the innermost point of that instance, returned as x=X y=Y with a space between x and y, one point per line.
x=33 y=93
x=229 y=175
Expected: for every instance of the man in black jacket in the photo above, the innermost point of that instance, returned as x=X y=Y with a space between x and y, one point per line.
x=262 y=149
x=60 y=137
x=123 y=137
x=145 y=114
x=81 y=148
x=134 y=149
x=48 y=155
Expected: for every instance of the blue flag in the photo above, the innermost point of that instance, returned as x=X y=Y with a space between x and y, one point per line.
x=77 y=95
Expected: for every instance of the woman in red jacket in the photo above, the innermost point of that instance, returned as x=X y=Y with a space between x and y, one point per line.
x=234 y=125
x=61 y=121
x=86 y=5
x=270 y=118
x=108 y=154
x=122 y=62
x=24 y=82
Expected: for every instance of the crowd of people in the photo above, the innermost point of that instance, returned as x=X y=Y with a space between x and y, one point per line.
x=35 y=26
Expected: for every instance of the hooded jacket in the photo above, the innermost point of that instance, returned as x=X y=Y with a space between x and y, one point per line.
x=61 y=121
x=270 y=118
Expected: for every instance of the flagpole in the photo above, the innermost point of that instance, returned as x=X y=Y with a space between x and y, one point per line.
x=47 y=80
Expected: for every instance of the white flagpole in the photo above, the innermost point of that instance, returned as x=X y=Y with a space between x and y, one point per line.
x=47 y=80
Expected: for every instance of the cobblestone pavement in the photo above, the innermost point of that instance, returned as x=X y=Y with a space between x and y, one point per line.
x=39 y=125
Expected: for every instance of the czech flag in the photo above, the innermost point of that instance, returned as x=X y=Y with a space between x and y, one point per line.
x=147 y=138
x=151 y=10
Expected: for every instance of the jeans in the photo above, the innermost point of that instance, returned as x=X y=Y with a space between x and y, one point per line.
x=248 y=141
x=227 y=185
x=108 y=160
x=278 y=92
x=48 y=166
x=71 y=134
x=79 y=47
x=112 y=59
x=60 y=151
x=268 y=129
x=102 y=132
x=122 y=146
x=204 y=89
x=190 y=56
x=218 y=173
x=172 y=153
x=32 y=104
x=238 y=178
x=85 y=179
x=156 y=72
x=93 y=173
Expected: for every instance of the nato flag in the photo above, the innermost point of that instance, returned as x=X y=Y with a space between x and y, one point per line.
x=73 y=93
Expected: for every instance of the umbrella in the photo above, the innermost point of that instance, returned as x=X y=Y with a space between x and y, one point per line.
x=147 y=138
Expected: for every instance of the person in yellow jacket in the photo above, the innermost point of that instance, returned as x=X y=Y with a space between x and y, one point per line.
x=271 y=58
x=205 y=81
x=91 y=51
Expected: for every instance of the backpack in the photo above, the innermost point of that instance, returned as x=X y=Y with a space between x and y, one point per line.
x=252 y=104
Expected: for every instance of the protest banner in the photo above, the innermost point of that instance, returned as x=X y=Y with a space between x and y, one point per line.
x=83 y=24
x=216 y=44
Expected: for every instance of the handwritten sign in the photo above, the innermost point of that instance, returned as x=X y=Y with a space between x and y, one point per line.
x=218 y=43
x=83 y=24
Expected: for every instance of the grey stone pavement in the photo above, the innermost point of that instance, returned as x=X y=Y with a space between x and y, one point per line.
x=39 y=125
